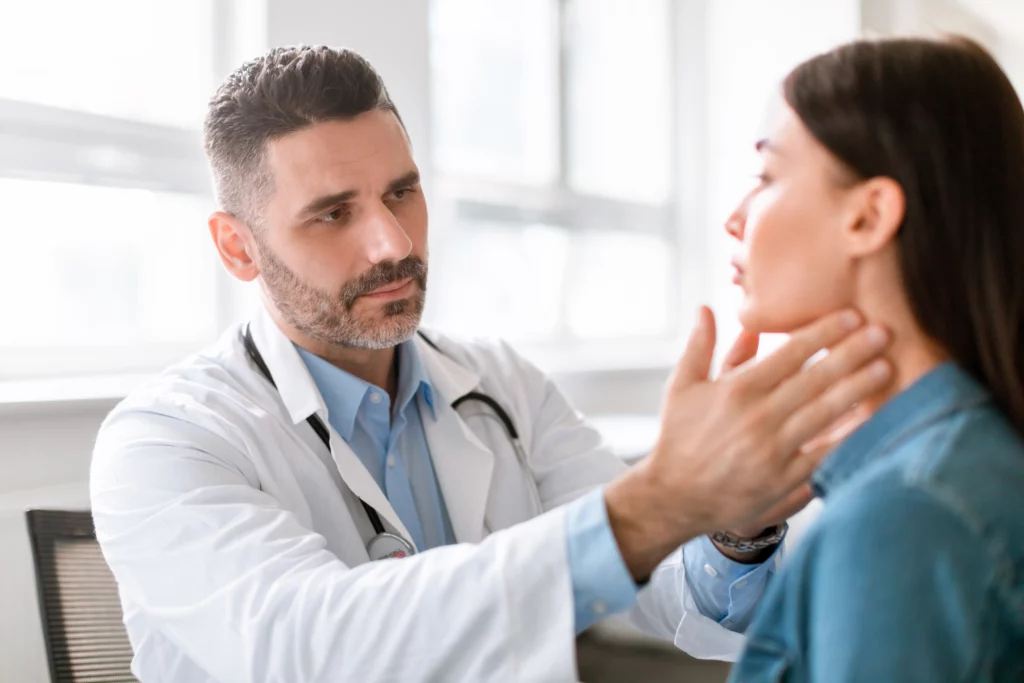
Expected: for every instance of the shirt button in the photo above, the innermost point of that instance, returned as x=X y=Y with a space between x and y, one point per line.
x=598 y=607
x=391 y=461
x=741 y=583
x=375 y=397
x=710 y=571
x=727 y=623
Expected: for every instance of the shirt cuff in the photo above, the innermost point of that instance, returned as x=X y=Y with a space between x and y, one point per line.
x=723 y=589
x=601 y=583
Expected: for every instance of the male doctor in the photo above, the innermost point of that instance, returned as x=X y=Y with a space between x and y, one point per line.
x=241 y=499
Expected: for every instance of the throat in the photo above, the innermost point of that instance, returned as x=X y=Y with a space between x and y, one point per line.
x=911 y=357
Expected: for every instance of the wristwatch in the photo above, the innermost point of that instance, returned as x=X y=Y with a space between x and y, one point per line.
x=769 y=537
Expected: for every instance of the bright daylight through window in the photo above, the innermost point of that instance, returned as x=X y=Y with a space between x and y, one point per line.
x=106 y=263
x=554 y=221
x=552 y=132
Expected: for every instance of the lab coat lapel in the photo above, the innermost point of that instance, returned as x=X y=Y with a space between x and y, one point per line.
x=361 y=482
x=302 y=399
x=464 y=465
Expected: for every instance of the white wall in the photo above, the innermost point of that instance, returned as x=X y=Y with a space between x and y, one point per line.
x=44 y=462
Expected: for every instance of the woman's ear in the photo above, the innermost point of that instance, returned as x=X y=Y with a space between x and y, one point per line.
x=234 y=242
x=878 y=209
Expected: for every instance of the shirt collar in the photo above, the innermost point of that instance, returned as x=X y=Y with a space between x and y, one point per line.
x=344 y=393
x=938 y=393
x=413 y=378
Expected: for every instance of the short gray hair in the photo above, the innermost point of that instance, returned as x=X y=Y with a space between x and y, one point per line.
x=283 y=91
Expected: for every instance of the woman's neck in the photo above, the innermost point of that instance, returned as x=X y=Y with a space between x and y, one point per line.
x=880 y=296
x=912 y=355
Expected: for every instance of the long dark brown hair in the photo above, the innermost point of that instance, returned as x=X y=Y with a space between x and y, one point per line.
x=941 y=119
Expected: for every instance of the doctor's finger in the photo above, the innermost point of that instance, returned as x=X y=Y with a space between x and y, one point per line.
x=823 y=411
x=844 y=359
x=789 y=358
x=742 y=350
x=695 y=363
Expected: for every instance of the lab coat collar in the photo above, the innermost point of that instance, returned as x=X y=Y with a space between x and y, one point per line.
x=301 y=399
x=464 y=465
x=296 y=386
x=450 y=380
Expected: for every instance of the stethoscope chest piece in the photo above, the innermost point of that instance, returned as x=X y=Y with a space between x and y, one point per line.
x=388 y=546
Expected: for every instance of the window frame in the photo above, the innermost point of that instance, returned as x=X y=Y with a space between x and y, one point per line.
x=51 y=143
x=678 y=220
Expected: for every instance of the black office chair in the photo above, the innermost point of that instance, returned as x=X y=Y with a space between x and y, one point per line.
x=81 y=614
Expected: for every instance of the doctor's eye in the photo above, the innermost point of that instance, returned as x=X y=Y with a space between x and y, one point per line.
x=337 y=215
x=402 y=193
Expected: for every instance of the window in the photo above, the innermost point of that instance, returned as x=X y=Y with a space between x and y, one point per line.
x=555 y=221
x=103 y=186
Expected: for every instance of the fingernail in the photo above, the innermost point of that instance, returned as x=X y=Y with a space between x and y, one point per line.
x=880 y=369
x=877 y=336
x=851 y=320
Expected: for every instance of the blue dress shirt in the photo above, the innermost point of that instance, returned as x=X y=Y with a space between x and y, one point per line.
x=393 y=449
x=392 y=445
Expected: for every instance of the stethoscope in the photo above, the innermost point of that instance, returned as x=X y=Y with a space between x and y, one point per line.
x=386 y=545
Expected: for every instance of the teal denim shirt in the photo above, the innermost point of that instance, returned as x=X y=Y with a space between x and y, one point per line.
x=915 y=569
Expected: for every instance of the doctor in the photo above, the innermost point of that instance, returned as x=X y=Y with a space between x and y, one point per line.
x=240 y=499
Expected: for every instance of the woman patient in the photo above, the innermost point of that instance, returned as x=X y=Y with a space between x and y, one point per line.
x=893 y=182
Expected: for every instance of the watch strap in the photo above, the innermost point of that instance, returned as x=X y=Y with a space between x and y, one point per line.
x=769 y=537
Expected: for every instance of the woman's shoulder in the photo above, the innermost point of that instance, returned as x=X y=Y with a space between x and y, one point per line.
x=954 y=495
x=970 y=463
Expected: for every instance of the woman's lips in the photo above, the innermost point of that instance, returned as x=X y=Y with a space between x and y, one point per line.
x=738 y=272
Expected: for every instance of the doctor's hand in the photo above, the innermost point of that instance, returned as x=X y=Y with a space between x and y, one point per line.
x=744 y=350
x=732 y=450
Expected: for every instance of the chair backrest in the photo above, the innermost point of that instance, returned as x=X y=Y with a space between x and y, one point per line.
x=78 y=602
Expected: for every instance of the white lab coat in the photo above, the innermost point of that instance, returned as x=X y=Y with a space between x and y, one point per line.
x=238 y=542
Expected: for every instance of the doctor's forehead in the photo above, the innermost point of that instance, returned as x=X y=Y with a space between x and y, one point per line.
x=359 y=153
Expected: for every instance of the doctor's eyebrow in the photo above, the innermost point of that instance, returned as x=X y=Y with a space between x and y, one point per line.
x=410 y=178
x=329 y=201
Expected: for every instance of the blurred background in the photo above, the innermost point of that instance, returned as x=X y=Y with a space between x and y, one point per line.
x=579 y=159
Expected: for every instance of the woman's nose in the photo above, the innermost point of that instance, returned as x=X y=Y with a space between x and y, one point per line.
x=734 y=225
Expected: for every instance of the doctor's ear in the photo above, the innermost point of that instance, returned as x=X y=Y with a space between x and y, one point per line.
x=878 y=207
x=235 y=245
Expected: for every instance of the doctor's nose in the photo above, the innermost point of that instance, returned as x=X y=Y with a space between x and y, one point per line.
x=385 y=238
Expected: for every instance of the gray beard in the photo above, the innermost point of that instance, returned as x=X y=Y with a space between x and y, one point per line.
x=329 y=318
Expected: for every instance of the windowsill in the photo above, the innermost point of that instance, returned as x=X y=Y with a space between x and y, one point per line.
x=597 y=358
x=57 y=393
x=27 y=396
